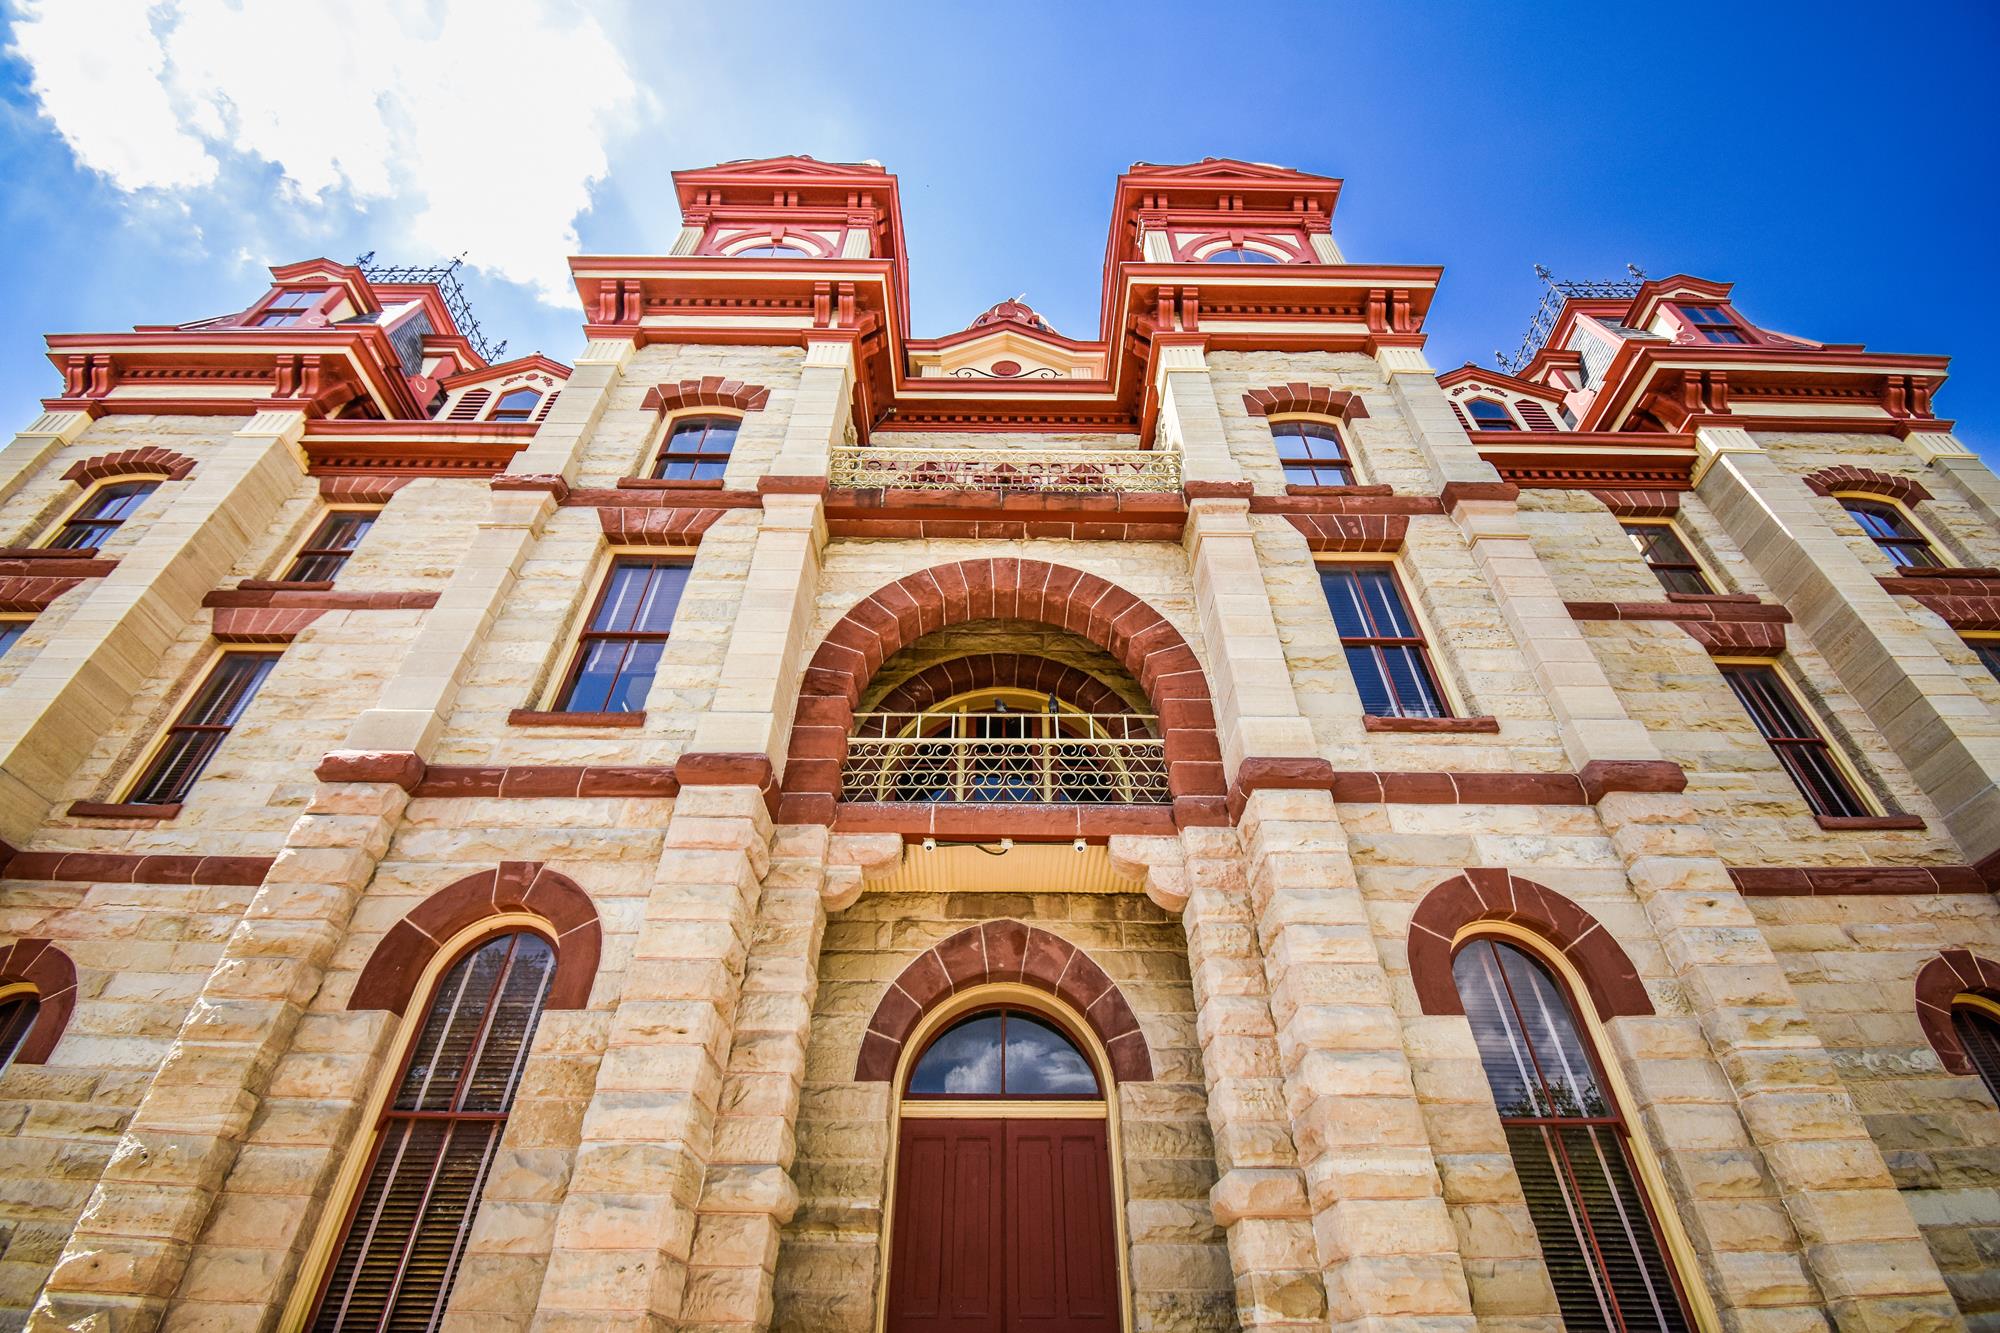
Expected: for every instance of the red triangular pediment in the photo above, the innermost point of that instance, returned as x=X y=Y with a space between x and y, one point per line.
x=1211 y=169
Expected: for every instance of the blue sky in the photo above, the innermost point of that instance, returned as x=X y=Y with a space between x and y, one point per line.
x=1838 y=162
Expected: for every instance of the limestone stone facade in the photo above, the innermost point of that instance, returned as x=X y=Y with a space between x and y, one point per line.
x=1009 y=724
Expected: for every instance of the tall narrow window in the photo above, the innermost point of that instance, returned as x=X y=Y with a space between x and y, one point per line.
x=1897 y=537
x=697 y=449
x=1312 y=454
x=515 y=405
x=201 y=728
x=11 y=630
x=620 y=648
x=1489 y=415
x=1792 y=737
x=1979 y=1034
x=328 y=549
x=433 y=1147
x=1668 y=557
x=101 y=515
x=1713 y=323
x=1571 y=1147
x=1385 y=648
x=287 y=309
x=17 y=1015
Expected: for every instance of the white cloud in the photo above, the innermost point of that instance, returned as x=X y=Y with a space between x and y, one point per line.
x=462 y=125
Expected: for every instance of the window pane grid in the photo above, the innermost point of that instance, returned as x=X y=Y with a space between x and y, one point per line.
x=103 y=514
x=1571 y=1149
x=1312 y=454
x=1385 y=651
x=1801 y=750
x=698 y=449
x=1668 y=557
x=515 y=405
x=324 y=555
x=1489 y=415
x=619 y=652
x=203 y=725
x=436 y=1144
x=1893 y=534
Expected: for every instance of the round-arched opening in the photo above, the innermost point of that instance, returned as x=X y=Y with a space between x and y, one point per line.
x=19 y=1007
x=1008 y=1052
x=770 y=251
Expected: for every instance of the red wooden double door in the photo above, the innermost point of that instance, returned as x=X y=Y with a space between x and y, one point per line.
x=1003 y=1225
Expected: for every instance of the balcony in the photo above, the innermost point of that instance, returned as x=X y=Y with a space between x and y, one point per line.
x=957 y=758
x=1014 y=471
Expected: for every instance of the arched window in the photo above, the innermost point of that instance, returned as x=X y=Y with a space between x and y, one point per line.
x=515 y=405
x=1892 y=532
x=1571 y=1147
x=1312 y=454
x=406 y=1231
x=771 y=251
x=1238 y=254
x=17 y=1015
x=100 y=515
x=697 y=449
x=1002 y=1053
x=1489 y=415
x=1978 y=1029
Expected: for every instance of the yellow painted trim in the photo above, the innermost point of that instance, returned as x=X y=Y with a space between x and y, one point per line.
x=1841 y=759
x=90 y=492
x=1983 y=1004
x=1018 y=996
x=1680 y=1249
x=329 y=1231
x=14 y=989
x=180 y=702
x=1000 y=1108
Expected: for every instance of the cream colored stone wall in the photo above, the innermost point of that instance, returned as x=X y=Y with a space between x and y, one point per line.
x=1965 y=534
x=830 y=1259
x=1381 y=443
x=1853 y=963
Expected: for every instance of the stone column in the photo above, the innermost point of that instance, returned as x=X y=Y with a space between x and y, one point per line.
x=1962 y=470
x=1944 y=733
x=1190 y=422
x=81 y=681
x=32 y=448
x=625 y=1234
x=1386 y=1243
x=747 y=1195
x=821 y=413
x=1861 y=1245
x=1259 y=1198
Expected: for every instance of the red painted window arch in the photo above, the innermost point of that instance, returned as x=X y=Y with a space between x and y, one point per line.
x=1004 y=951
x=1940 y=982
x=51 y=972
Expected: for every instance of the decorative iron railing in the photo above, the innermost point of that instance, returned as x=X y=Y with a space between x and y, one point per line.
x=1029 y=758
x=1557 y=294
x=1033 y=471
x=445 y=278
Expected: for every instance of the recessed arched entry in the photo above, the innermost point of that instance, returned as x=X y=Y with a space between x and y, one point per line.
x=1006 y=1208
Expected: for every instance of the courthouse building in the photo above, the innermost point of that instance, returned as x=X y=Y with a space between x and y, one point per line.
x=1198 y=823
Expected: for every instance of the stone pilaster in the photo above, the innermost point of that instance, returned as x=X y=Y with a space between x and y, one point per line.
x=1438 y=435
x=1861 y=1246
x=821 y=413
x=1256 y=709
x=1190 y=421
x=748 y=1194
x=1962 y=470
x=1259 y=1198
x=1944 y=733
x=1386 y=1244
x=77 y=686
x=131 y=1247
x=31 y=449
x=625 y=1235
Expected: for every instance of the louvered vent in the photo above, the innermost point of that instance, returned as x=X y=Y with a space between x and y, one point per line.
x=1534 y=414
x=548 y=403
x=469 y=407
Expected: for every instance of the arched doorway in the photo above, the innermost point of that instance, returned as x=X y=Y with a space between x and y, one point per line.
x=1005 y=1199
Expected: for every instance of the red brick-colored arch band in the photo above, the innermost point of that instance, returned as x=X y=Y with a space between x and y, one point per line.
x=393 y=970
x=1942 y=980
x=144 y=461
x=1848 y=477
x=997 y=951
x=49 y=970
x=1495 y=895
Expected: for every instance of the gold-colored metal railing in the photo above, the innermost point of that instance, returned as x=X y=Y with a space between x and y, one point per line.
x=1032 y=471
x=966 y=758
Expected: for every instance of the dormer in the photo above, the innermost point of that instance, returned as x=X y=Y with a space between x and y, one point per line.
x=1224 y=211
x=1010 y=341
x=784 y=210
x=521 y=390
x=1488 y=400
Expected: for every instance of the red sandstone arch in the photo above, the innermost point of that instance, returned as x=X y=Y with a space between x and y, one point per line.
x=902 y=612
x=990 y=671
x=1953 y=973
x=1319 y=399
x=708 y=391
x=1495 y=895
x=517 y=886
x=52 y=974
x=1004 y=951
x=143 y=461
x=1848 y=477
